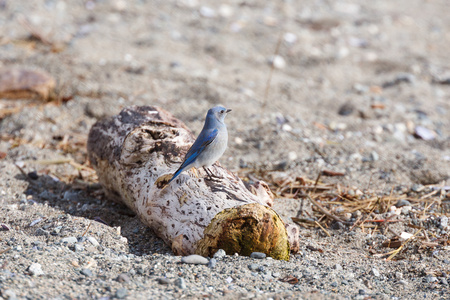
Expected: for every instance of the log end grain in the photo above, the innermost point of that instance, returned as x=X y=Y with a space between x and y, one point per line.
x=245 y=229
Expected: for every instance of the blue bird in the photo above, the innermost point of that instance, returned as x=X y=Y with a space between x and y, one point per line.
x=210 y=143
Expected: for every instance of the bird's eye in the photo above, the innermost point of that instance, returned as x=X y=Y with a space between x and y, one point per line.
x=222 y=111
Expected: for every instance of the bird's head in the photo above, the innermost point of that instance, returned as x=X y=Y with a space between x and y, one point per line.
x=218 y=112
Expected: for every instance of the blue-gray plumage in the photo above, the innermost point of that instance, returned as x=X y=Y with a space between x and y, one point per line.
x=210 y=143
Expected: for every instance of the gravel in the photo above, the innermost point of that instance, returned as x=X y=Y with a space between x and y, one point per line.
x=357 y=87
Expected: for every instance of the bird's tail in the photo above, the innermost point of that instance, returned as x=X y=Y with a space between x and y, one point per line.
x=176 y=174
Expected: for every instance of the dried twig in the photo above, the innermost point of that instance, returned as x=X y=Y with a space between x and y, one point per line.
x=324 y=230
x=324 y=210
x=5 y=250
x=33 y=31
x=272 y=67
x=84 y=233
x=395 y=252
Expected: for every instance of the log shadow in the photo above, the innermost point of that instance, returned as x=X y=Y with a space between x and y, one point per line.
x=90 y=202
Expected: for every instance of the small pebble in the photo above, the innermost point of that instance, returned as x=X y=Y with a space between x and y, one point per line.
x=405 y=210
x=93 y=241
x=403 y=202
x=444 y=281
x=219 y=254
x=123 y=278
x=69 y=240
x=424 y=133
x=226 y=10
x=431 y=279
x=401 y=77
x=346 y=109
x=164 y=281
x=416 y=188
x=35 y=269
x=9 y=294
x=78 y=247
x=375 y=272
x=253 y=267
x=87 y=272
x=362 y=292
x=212 y=263
x=207 y=12
x=71 y=196
x=33 y=175
x=41 y=231
x=180 y=282
x=290 y=38
x=258 y=255
x=195 y=259
x=121 y=293
x=374 y=156
x=338 y=267
x=34 y=222
x=56 y=230
x=4 y=227
x=278 y=62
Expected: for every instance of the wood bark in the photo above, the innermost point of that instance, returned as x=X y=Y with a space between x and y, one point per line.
x=135 y=154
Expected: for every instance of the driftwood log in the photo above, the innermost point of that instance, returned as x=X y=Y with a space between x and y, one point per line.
x=135 y=154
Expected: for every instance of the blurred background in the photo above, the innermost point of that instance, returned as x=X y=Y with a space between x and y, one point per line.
x=360 y=88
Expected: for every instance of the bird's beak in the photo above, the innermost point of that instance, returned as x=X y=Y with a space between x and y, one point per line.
x=228 y=110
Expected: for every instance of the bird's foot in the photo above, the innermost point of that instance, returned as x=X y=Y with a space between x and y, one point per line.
x=194 y=170
x=211 y=176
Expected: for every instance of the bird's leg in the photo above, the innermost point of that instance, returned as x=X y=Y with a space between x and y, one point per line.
x=210 y=174
x=194 y=170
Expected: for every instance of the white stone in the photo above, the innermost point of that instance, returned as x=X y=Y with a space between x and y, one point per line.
x=35 y=269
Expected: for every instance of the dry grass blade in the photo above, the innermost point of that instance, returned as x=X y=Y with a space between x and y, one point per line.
x=272 y=67
x=324 y=210
x=84 y=233
x=395 y=252
x=5 y=250
x=324 y=230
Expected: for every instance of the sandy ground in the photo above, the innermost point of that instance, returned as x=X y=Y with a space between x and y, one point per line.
x=358 y=87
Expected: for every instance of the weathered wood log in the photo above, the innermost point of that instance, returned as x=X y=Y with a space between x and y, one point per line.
x=135 y=154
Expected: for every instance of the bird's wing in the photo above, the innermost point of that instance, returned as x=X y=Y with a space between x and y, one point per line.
x=202 y=141
x=199 y=146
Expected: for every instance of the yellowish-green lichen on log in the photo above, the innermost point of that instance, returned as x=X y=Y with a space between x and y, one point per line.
x=246 y=229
